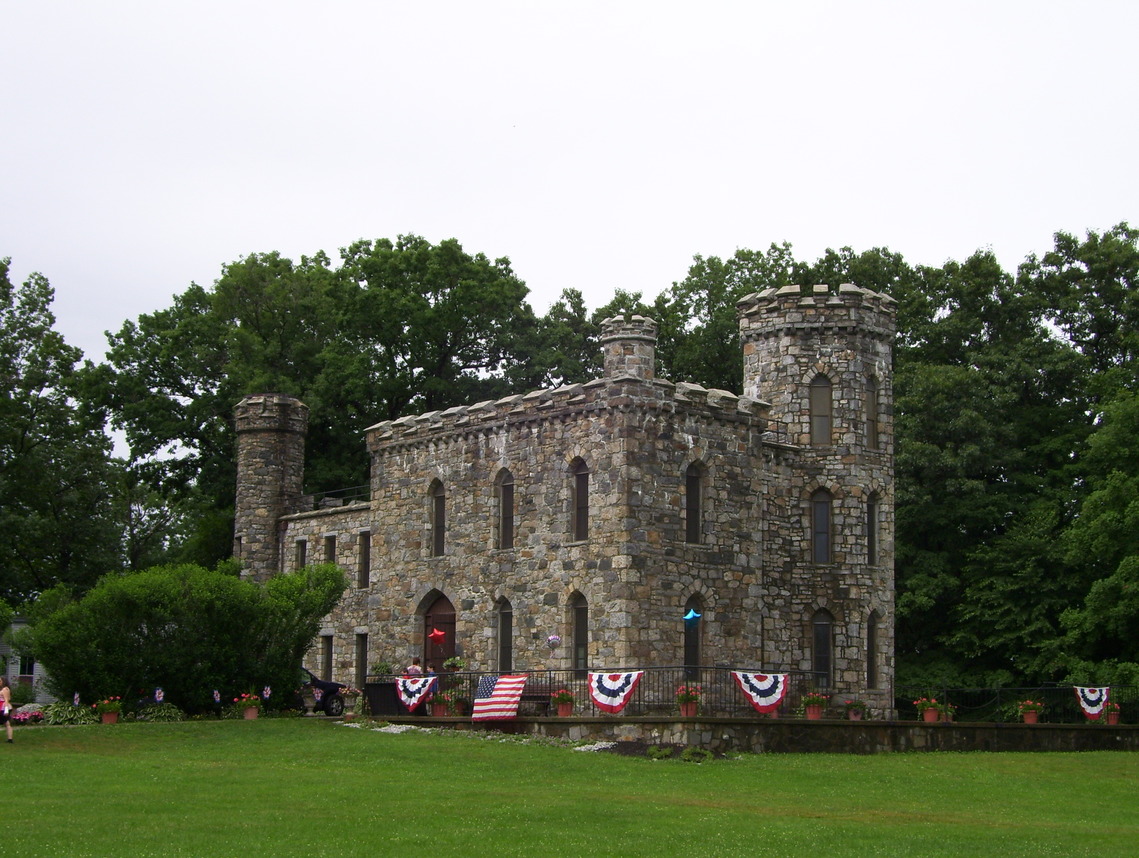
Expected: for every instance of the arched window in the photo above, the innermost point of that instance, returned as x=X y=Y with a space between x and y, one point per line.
x=872 y=530
x=820 y=406
x=694 y=503
x=822 y=645
x=821 y=526
x=505 y=636
x=504 y=510
x=579 y=614
x=872 y=413
x=579 y=500
x=872 y=650
x=438 y=519
x=694 y=605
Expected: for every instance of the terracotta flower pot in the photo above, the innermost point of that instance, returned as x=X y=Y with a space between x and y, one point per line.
x=687 y=710
x=251 y=712
x=854 y=714
x=440 y=710
x=1112 y=718
x=1030 y=717
x=565 y=710
x=109 y=717
x=930 y=715
x=814 y=712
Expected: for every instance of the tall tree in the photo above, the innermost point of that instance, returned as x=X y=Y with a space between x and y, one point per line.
x=988 y=417
x=56 y=479
x=398 y=327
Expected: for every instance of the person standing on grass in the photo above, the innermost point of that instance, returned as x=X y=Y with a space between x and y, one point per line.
x=6 y=705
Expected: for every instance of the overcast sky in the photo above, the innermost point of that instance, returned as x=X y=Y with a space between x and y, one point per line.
x=597 y=145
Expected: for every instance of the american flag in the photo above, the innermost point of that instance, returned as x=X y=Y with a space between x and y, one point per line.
x=498 y=697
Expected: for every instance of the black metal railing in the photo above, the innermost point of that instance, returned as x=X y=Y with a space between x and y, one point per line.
x=1000 y=704
x=656 y=692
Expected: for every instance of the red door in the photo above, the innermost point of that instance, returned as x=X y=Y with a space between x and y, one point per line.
x=441 y=616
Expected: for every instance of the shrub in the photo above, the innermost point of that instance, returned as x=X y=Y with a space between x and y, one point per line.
x=658 y=752
x=693 y=754
x=67 y=713
x=186 y=629
x=22 y=695
x=155 y=712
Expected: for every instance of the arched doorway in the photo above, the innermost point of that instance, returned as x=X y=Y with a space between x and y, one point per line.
x=439 y=615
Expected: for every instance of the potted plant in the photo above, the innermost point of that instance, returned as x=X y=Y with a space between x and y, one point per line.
x=109 y=709
x=442 y=702
x=688 y=699
x=382 y=669
x=455 y=664
x=352 y=697
x=563 y=699
x=855 y=709
x=249 y=704
x=1029 y=710
x=928 y=708
x=948 y=710
x=1111 y=713
x=813 y=703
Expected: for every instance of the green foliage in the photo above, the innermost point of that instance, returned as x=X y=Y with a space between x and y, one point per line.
x=159 y=712
x=185 y=629
x=22 y=694
x=695 y=754
x=400 y=327
x=56 y=476
x=55 y=714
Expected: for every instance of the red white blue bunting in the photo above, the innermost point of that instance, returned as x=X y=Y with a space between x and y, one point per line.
x=413 y=690
x=1092 y=700
x=765 y=690
x=611 y=691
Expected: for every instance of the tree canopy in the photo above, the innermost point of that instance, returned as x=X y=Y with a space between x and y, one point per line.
x=56 y=476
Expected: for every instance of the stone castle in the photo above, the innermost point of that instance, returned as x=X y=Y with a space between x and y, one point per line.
x=605 y=512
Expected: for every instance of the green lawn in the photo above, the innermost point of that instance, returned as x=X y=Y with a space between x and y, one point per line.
x=310 y=787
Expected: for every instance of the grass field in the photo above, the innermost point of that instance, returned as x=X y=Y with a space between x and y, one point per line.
x=308 y=787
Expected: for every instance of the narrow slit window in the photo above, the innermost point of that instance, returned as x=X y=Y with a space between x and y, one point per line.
x=821 y=526
x=504 y=532
x=821 y=411
x=438 y=520
x=580 y=501
x=693 y=504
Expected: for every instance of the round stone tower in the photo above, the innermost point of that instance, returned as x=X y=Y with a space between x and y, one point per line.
x=823 y=358
x=271 y=431
x=628 y=345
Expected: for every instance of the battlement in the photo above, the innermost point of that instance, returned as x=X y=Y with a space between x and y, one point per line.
x=630 y=327
x=594 y=396
x=271 y=412
x=793 y=308
x=628 y=346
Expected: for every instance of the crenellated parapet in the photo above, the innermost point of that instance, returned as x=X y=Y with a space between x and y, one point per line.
x=566 y=402
x=271 y=412
x=821 y=307
x=628 y=345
